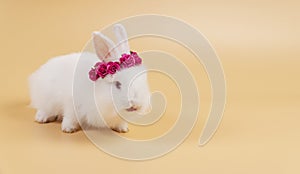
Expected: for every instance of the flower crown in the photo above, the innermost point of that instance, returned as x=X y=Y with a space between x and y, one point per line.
x=101 y=69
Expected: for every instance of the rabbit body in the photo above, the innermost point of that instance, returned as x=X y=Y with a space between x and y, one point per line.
x=61 y=88
x=51 y=94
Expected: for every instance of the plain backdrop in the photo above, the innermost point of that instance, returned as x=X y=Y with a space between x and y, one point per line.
x=257 y=43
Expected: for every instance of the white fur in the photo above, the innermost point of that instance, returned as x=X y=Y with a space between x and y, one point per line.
x=63 y=83
x=122 y=39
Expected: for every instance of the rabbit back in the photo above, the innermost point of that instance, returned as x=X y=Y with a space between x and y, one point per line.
x=51 y=85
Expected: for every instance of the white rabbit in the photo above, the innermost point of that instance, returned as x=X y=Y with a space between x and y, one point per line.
x=53 y=85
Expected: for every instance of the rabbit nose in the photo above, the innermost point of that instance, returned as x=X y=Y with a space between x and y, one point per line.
x=133 y=108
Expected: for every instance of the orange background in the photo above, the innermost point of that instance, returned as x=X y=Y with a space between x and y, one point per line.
x=258 y=45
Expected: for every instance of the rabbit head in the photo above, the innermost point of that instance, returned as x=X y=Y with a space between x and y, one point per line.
x=128 y=86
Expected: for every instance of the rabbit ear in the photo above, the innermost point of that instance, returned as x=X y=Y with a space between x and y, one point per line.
x=104 y=47
x=122 y=40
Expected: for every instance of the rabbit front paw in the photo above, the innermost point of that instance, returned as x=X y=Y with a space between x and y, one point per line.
x=43 y=117
x=69 y=125
x=120 y=128
x=69 y=129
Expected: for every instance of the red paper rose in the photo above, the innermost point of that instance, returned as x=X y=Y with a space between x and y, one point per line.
x=102 y=69
x=93 y=75
x=113 y=67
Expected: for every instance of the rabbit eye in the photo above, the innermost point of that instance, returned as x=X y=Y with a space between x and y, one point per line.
x=118 y=84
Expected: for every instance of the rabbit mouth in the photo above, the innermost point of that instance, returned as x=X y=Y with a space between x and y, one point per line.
x=132 y=108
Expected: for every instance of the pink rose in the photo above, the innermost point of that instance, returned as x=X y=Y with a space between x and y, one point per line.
x=93 y=75
x=102 y=70
x=113 y=67
x=137 y=59
x=129 y=62
x=124 y=57
x=126 y=61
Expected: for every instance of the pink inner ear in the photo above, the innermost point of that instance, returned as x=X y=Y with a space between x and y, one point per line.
x=108 y=55
x=102 y=46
